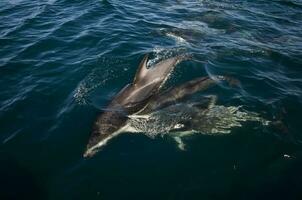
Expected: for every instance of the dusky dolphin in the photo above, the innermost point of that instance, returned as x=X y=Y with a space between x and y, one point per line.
x=132 y=98
x=143 y=96
x=175 y=94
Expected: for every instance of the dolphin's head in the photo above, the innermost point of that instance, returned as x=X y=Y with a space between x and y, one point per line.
x=99 y=137
x=106 y=127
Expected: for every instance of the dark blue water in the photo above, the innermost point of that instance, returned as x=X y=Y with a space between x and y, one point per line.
x=61 y=61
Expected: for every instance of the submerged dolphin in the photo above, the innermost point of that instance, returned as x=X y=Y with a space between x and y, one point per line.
x=141 y=97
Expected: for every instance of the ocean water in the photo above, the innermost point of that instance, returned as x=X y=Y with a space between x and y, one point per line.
x=61 y=62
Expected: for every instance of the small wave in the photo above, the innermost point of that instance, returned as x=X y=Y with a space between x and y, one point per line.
x=12 y=136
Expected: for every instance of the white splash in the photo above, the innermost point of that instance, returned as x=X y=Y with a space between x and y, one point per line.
x=184 y=119
x=161 y=53
x=177 y=38
x=97 y=78
x=82 y=92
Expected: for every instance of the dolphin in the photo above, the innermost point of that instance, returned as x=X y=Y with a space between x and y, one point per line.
x=141 y=97
x=132 y=98
x=175 y=94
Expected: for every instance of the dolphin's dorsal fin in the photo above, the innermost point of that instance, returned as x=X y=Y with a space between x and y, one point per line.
x=142 y=70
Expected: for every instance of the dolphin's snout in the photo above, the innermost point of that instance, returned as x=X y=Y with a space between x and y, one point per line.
x=93 y=146
x=96 y=142
x=89 y=153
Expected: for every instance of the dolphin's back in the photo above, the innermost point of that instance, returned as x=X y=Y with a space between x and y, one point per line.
x=147 y=81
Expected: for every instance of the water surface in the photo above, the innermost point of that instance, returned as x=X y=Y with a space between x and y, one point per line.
x=61 y=61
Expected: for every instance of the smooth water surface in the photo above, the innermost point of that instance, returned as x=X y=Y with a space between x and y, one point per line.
x=61 y=62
